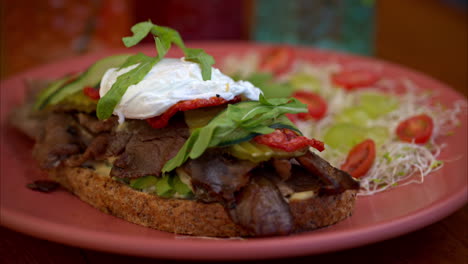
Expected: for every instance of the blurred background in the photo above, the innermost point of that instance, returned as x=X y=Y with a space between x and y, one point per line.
x=428 y=35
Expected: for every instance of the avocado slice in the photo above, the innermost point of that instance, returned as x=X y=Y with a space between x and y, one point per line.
x=91 y=77
x=43 y=97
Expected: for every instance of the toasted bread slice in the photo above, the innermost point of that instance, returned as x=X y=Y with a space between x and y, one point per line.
x=188 y=216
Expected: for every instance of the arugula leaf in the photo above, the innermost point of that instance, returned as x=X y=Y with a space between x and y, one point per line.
x=238 y=123
x=274 y=101
x=161 y=47
x=168 y=36
x=132 y=60
x=140 y=31
x=109 y=101
x=201 y=57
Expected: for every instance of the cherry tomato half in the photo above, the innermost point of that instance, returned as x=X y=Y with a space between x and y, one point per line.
x=288 y=141
x=417 y=129
x=315 y=104
x=277 y=60
x=91 y=92
x=352 y=79
x=360 y=159
x=162 y=120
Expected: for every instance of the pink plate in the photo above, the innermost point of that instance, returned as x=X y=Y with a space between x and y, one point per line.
x=63 y=218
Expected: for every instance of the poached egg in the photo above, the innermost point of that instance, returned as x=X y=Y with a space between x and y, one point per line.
x=169 y=82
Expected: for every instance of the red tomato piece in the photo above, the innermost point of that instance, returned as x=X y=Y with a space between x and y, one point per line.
x=163 y=119
x=91 y=93
x=316 y=105
x=288 y=141
x=352 y=79
x=277 y=61
x=360 y=159
x=417 y=129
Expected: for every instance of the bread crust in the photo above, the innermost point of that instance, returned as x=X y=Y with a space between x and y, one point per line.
x=187 y=216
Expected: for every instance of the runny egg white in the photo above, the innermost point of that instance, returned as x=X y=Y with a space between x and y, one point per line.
x=171 y=81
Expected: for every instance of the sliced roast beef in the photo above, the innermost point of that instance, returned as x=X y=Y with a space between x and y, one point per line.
x=148 y=149
x=95 y=125
x=282 y=167
x=261 y=208
x=59 y=140
x=336 y=181
x=117 y=142
x=95 y=151
x=302 y=180
x=216 y=176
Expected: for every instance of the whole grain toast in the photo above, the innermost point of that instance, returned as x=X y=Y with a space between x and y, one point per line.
x=182 y=216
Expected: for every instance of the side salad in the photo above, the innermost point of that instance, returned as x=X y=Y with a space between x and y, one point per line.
x=381 y=130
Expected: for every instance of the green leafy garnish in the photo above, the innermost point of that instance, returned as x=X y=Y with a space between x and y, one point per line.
x=140 y=31
x=168 y=36
x=135 y=59
x=164 y=38
x=109 y=101
x=238 y=123
x=201 y=57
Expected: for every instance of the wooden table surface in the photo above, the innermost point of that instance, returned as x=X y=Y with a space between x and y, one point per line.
x=442 y=242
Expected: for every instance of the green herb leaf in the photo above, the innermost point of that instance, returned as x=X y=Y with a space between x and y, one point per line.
x=108 y=102
x=262 y=130
x=168 y=36
x=162 y=48
x=140 y=31
x=275 y=101
x=201 y=57
x=135 y=59
x=238 y=123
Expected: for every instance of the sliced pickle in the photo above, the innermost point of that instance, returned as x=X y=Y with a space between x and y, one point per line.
x=255 y=152
x=200 y=117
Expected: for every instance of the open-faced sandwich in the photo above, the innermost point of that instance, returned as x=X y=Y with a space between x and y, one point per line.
x=175 y=145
